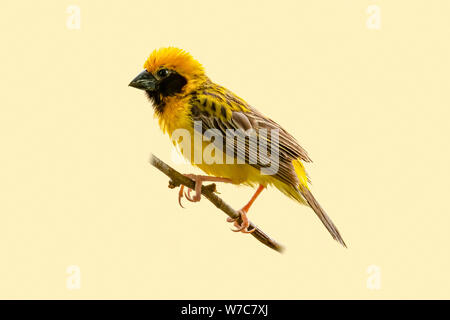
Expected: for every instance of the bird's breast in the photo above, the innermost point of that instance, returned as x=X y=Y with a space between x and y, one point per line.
x=176 y=115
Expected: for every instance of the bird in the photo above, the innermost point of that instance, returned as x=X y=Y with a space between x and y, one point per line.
x=182 y=95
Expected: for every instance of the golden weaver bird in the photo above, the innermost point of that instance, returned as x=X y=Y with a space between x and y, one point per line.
x=182 y=94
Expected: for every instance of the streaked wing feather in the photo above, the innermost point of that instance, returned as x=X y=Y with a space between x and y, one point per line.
x=242 y=121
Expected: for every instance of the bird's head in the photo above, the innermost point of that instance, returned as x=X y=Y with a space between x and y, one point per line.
x=168 y=72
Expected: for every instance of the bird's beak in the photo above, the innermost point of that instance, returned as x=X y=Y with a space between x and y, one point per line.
x=144 y=81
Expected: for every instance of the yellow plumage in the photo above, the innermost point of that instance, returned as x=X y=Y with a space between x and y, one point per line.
x=182 y=93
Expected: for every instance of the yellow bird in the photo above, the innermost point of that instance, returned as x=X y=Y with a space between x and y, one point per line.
x=183 y=97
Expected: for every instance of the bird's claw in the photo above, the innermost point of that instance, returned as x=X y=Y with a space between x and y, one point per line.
x=198 y=187
x=180 y=195
x=187 y=195
x=243 y=227
x=194 y=198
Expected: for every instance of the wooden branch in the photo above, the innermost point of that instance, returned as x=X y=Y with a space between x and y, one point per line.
x=209 y=192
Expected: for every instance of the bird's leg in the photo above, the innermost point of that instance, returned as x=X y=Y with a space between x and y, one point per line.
x=243 y=213
x=198 y=187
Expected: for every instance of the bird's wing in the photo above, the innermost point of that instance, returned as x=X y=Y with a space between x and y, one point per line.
x=287 y=142
x=246 y=120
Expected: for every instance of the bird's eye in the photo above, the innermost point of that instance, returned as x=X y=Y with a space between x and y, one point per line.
x=163 y=73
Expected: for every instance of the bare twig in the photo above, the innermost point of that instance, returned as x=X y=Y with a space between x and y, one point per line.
x=209 y=193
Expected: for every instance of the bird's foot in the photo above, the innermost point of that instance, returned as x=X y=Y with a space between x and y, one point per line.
x=243 y=227
x=199 y=179
x=187 y=194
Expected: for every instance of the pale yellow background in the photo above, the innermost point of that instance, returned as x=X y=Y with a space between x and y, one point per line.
x=370 y=106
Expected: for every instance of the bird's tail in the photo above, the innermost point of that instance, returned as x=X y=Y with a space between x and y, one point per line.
x=312 y=202
x=322 y=215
